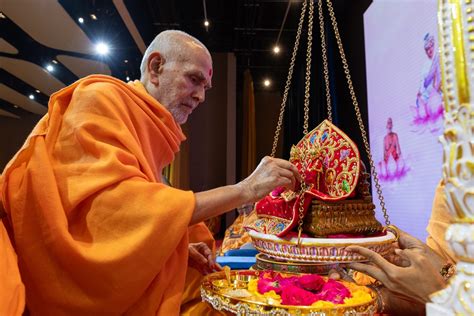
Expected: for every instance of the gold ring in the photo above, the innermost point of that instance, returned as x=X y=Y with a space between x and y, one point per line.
x=395 y=230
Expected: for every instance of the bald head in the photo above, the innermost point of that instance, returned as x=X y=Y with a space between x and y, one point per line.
x=176 y=71
x=173 y=45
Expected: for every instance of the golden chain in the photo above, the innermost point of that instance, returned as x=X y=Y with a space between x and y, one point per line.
x=325 y=59
x=306 y=109
x=288 y=79
x=301 y=212
x=357 y=110
x=306 y=100
x=308 y=67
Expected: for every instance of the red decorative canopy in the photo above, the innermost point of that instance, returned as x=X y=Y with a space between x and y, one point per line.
x=329 y=163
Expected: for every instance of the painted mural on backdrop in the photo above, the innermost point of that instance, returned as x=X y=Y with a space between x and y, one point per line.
x=405 y=106
x=428 y=109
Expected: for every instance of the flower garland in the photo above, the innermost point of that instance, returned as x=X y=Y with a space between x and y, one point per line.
x=307 y=290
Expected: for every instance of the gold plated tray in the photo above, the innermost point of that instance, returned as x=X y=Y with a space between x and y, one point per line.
x=235 y=298
x=329 y=250
x=264 y=262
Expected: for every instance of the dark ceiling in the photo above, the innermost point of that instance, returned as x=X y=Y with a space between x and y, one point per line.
x=38 y=33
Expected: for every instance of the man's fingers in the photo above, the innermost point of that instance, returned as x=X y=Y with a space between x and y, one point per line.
x=397 y=260
x=409 y=255
x=287 y=174
x=203 y=247
x=405 y=240
x=212 y=262
x=371 y=255
x=197 y=256
x=339 y=274
x=371 y=270
x=334 y=274
x=217 y=267
x=401 y=254
x=205 y=252
x=285 y=164
x=295 y=172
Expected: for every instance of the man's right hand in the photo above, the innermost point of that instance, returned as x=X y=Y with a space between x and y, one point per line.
x=269 y=174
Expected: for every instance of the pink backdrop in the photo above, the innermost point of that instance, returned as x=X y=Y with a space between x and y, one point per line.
x=397 y=66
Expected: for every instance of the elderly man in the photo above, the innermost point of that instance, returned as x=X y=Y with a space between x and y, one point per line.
x=95 y=229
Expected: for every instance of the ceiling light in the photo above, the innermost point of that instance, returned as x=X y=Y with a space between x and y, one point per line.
x=276 y=49
x=2 y=16
x=206 y=23
x=128 y=78
x=37 y=91
x=54 y=61
x=32 y=97
x=125 y=61
x=267 y=82
x=93 y=17
x=102 y=48
x=15 y=106
x=49 y=68
x=80 y=20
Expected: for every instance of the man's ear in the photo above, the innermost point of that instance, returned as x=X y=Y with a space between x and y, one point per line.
x=155 y=64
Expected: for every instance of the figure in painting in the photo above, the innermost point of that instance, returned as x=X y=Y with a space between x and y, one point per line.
x=429 y=99
x=392 y=151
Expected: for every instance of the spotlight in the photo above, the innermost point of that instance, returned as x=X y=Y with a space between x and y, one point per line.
x=49 y=68
x=37 y=91
x=206 y=23
x=32 y=97
x=125 y=61
x=80 y=20
x=128 y=78
x=93 y=16
x=267 y=82
x=102 y=48
x=55 y=61
x=276 y=49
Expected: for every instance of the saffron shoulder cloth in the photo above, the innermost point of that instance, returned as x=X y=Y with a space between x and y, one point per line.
x=329 y=163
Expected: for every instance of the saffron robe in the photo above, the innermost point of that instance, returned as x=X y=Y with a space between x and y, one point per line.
x=95 y=230
x=12 y=290
x=440 y=220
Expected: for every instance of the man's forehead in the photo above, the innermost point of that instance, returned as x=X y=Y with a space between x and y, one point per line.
x=206 y=67
x=204 y=60
x=209 y=79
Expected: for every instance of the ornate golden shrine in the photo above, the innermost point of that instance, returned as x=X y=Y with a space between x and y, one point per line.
x=317 y=253
x=328 y=215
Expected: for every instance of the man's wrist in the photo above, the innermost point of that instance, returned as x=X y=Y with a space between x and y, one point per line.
x=380 y=298
x=246 y=192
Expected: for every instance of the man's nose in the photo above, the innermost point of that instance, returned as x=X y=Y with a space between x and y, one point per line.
x=199 y=95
